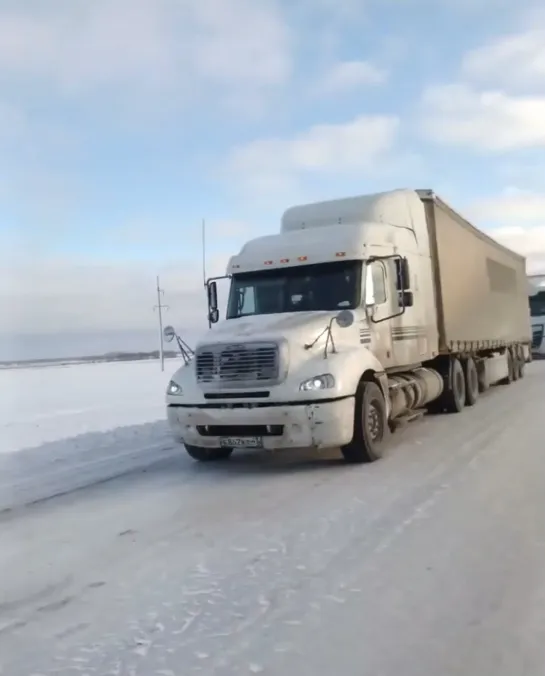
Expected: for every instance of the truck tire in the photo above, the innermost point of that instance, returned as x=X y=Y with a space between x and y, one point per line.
x=208 y=454
x=453 y=398
x=370 y=426
x=472 y=382
x=510 y=369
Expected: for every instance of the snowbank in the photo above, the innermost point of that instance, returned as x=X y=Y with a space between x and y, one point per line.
x=66 y=427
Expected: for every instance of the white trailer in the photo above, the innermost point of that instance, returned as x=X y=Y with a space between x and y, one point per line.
x=537 y=314
x=361 y=313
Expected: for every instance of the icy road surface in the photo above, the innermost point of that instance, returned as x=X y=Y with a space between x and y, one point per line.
x=429 y=562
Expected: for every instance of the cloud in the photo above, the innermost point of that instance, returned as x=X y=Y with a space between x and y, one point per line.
x=348 y=76
x=458 y=114
x=332 y=11
x=59 y=295
x=529 y=242
x=513 y=204
x=276 y=163
x=77 y=47
x=12 y=124
x=149 y=231
x=41 y=293
x=252 y=50
x=515 y=60
x=497 y=103
x=518 y=217
x=85 y=45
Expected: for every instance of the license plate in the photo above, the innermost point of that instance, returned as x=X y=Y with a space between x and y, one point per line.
x=241 y=442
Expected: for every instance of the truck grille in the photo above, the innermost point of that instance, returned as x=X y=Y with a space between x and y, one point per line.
x=537 y=337
x=240 y=363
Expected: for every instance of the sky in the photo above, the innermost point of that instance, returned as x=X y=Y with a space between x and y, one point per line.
x=123 y=123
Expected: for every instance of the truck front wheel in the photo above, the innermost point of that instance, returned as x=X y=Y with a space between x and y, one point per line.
x=370 y=426
x=208 y=454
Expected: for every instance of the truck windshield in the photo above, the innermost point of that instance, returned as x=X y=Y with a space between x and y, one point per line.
x=325 y=286
x=537 y=304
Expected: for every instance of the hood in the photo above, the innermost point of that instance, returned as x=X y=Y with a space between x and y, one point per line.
x=304 y=325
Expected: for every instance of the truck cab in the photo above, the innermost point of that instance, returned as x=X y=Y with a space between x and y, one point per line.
x=341 y=294
x=537 y=314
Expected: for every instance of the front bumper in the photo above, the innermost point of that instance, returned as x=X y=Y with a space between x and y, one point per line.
x=311 y=425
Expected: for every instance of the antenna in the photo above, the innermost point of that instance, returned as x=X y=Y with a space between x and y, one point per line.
x=203 y=232
x=159 y=307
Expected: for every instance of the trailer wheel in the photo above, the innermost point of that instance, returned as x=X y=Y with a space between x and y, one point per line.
x=370 y=426
x=454 y=395
x=472 y=382
x=510 y=369
x=208 y=454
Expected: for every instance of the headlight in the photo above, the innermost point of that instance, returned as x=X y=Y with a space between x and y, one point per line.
x=174 y=388
x=323 y=382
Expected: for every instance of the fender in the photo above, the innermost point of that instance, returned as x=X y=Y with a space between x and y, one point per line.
x=353 y=366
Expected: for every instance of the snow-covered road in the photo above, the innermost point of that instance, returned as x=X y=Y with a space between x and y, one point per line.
x=429 y=562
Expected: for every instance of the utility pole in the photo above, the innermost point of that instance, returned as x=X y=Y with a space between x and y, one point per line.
x=159 y=307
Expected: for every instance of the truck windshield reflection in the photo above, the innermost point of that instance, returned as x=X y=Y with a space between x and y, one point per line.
x=326 y=286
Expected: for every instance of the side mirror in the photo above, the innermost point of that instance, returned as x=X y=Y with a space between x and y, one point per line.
x=404 y=274
x=212 y=289
x=345 y=318
x=213 y=316
x=407 y=299
x=169 y=333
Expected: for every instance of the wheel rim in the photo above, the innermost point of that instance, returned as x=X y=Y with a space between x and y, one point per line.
x=375 y=422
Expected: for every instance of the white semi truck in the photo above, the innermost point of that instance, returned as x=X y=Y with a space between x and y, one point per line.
x=360 y=314
x=537 y=312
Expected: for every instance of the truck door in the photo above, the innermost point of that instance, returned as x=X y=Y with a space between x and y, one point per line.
x=379 y=305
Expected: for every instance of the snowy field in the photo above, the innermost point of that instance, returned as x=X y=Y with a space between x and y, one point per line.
x=63 y=427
